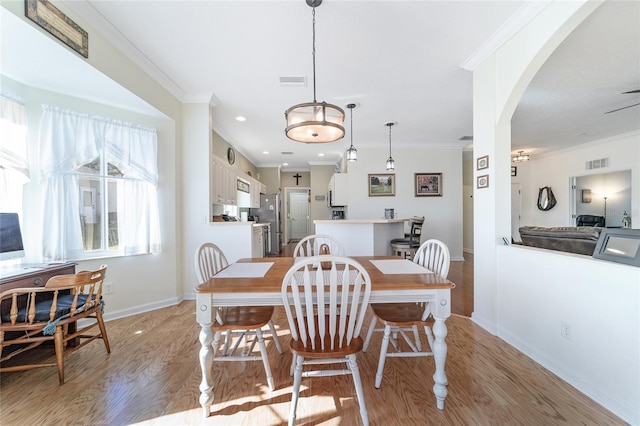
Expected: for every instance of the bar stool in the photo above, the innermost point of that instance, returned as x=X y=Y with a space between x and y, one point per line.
x=406 y=247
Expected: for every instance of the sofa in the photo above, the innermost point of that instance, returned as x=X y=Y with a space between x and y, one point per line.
x=572 y=239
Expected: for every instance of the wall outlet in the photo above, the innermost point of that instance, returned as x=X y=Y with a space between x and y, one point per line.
x=565 y=330
x=108 y=288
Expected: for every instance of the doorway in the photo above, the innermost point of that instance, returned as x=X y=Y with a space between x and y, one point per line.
x=297 y=209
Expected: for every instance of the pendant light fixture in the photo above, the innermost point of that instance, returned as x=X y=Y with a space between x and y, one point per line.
x=520 y=157
x=391 y=165
x=314 y=122
x=352 y=153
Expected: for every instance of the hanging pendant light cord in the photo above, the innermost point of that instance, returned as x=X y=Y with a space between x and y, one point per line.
x=351 y=108
x=313 y=52
x=389 y=141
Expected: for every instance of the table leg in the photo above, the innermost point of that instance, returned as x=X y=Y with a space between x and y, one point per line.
x=440 y=357
x=207 y=353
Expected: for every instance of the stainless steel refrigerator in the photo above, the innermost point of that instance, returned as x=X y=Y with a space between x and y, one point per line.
x=269 y=212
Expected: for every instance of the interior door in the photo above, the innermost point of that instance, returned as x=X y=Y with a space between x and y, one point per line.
x=299 y=214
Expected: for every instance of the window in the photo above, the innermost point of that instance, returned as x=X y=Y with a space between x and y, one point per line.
x=99 y=205
x=14 y=169
x=111 y=167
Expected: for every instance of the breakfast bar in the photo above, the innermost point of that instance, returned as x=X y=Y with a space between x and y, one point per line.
x=363 y=237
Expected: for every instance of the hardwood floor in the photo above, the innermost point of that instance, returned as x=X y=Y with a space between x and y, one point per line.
x=152 y=377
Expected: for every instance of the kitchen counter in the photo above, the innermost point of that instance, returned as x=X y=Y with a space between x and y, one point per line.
x=363 y=237
x=352 y=221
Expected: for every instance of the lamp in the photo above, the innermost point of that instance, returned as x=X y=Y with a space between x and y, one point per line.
x=352 y=153
x=605 y=211
x=314 y=122
x=391 y=165
x=520 y=157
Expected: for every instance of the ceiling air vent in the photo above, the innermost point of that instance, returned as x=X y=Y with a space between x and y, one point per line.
x=286 y=153
x=293 y=81
x=597 y=164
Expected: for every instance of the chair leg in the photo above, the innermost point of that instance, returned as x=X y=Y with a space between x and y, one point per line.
x=265 y=360
x=353 y=366
x=383 y=355
x=103 y=331
x=275 y=337
x=297 y=380
x=292 y=369
x=58 y=341
x=372 y=327
x=416 y=337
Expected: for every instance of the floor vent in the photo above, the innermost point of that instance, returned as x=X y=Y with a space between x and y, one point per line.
x=597 y=164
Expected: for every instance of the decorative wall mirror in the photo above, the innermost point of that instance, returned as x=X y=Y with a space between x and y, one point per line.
x=546 y=199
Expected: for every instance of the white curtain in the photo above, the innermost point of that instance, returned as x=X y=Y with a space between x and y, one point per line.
x=69 y=140
x=14 y=163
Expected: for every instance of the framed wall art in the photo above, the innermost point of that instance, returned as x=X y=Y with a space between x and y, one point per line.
x=51 y=19
x=383 y=184
x=482 y=181
x=482 y=162
x=514 y=171
x=428 y=184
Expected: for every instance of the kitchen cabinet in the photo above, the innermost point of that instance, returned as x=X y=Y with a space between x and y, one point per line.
x=257 y=243
x=338 y=190
x=223 y=185
x=218 y=181
x=255 y=189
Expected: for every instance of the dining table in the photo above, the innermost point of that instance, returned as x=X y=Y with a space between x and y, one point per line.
x=258 y=282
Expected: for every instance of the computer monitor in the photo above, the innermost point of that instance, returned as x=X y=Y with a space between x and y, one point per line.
x=11 y=246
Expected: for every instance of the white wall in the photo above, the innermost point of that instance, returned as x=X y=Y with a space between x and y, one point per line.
x=599 y=301
x=443 y=215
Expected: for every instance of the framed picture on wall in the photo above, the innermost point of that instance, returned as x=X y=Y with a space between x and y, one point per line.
x=514 y=171
x=482 y=162
x=482 y=181
x=381 y=185
x=428 y=184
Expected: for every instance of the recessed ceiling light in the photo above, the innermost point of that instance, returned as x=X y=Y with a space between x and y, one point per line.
x=265 y=152
x=285 y=164
x=321 y=155
x=241 y=118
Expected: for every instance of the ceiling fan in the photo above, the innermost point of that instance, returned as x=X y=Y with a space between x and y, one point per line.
x=629 y=106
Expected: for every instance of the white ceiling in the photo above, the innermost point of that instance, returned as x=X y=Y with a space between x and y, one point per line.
x=398 y=60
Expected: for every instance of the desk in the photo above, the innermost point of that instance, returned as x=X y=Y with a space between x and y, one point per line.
x=266 y=291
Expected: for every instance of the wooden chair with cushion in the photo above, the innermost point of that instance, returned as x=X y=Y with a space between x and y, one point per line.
x=401 y=318
x=239 y=321
x=325 y=308
x=32 y=316
x=316 y=244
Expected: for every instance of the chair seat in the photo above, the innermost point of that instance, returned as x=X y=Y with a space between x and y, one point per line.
x=43 y=308
x=298 y=348
x=244 y=317
x=405 y=242
x=399 y=314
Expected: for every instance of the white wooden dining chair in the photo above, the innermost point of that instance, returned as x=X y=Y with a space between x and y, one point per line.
x=401 y=318
x=325 y=308
x=316 y=244
x=236 y=321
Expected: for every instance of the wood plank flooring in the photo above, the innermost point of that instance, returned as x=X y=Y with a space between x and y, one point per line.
x=152 y=377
